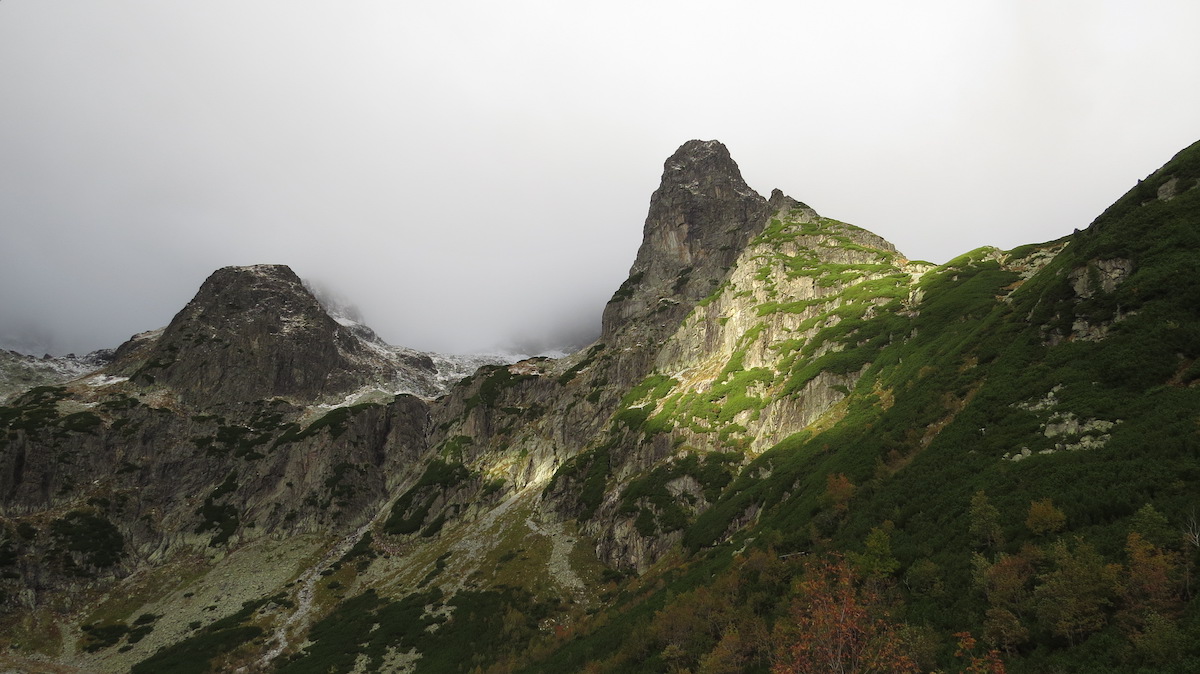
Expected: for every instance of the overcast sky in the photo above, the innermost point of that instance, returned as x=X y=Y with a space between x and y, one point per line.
x=476 y=174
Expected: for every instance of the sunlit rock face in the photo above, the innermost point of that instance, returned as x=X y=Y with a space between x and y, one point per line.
x=725 y=282
x=734 y=367
x=700 y=216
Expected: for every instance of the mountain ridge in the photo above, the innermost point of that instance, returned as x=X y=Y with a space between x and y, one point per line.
x=770 y=386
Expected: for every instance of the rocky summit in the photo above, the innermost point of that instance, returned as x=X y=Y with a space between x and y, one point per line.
x=984 y=465
x=700 y=217
x=253 y=333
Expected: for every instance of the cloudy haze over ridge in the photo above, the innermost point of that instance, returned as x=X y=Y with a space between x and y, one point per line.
x=475 y=175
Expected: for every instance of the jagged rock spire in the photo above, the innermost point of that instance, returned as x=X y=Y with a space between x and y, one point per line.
x=700 y=200
x=700 y=216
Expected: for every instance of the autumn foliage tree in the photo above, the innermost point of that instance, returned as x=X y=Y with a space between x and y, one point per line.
x=876 y=563
x=1153 y=527
x=717 y=628
x=976 y=663
x=1004 y=629
x=1045 y=518
x=838 y=491
x=837 y=625
x=1152 y=583
x=1007 y=583
x=706 y=618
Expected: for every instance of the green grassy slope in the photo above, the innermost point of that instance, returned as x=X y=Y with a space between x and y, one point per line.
x=1094 y=380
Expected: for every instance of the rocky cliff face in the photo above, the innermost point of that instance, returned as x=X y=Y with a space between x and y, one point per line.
x=252 y=333
x=210 y=435
x=203 y=438
x=730 y=302
x=701 y=216
x=161 y=481
x=254 y=449
x=522 y=422
x=775 y=347
x=740 y=324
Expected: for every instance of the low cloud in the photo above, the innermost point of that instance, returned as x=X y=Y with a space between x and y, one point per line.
x=475 y=176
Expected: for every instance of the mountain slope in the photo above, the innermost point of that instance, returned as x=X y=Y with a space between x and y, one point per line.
x=251 y=333
x=20 y=372
x=1002 y=445
x=1059 y=374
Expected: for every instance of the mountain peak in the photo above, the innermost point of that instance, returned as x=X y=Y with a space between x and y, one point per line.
x=704 y=168
x=254 y=274
x=251 y=333
x=700 y=217
x=770 y=386
x=700 y=151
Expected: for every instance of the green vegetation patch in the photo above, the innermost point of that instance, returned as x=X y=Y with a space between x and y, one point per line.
x=734 y=391
x=484 y=626
x=34 y=411
x=452 y=449
x=100 y=637
x=493 y=384
x=119 y=402
x=778 y=231
x=656 y=509
x=360 y=632
x=242 y=441
x=361 y=554
x=336 y=422
x=589 y=470
x=681 y=280
x=407 y=518
x=640 y=402
x=366 y=625
x=195 y=655
x=589 y=358
x=649 y=389
x=91 y=535
x=627 y=288
x=862 y=328
x=222 y=519
x=81 y=422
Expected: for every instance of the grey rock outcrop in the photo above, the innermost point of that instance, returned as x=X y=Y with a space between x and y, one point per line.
x=253 y=333
x=700 y=217
x=1100 y=276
